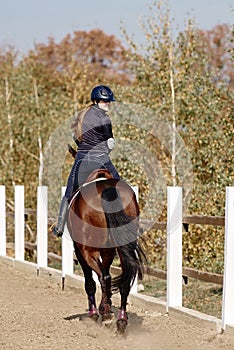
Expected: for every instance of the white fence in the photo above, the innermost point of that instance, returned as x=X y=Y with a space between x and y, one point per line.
x=174 y=244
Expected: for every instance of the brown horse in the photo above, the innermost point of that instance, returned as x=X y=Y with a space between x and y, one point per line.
x=104 y=220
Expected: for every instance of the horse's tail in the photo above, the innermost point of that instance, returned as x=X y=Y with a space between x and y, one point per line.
x=123 y=234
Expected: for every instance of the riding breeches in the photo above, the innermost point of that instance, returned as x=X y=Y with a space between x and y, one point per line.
x=84 y=164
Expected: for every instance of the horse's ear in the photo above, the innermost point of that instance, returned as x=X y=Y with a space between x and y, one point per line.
x=71 y=150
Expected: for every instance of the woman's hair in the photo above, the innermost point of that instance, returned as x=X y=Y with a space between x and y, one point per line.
x=76 y=125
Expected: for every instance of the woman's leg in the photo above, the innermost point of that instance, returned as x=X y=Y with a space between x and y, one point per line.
x=109 y=165
x=63 y=211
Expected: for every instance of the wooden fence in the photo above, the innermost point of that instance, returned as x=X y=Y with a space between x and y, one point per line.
x=187 y=272
x=174 y=226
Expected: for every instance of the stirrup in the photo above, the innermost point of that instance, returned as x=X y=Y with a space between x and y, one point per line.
x=55 y=231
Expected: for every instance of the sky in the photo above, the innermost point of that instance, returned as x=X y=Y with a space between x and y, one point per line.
x=26 y=22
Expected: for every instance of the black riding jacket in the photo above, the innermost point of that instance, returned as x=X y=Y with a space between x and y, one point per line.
x=96 y=130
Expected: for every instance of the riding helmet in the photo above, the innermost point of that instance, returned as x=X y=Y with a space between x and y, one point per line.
x=102 y=92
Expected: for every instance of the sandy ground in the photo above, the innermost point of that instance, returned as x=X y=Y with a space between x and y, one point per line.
x=36 y=314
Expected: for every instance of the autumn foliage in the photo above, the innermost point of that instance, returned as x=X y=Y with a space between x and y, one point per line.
x=187 y=79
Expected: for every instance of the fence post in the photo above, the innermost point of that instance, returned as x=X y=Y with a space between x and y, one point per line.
x=19 y=222
x=174 y=247
x=67 y=251
x=42 y=227
x=2 y=220
x=228 y=280
x=134 y=288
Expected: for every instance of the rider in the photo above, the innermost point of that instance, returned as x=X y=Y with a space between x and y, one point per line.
x=92 y=132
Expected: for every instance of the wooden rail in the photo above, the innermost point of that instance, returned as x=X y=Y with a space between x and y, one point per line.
x=187 y=220
x=147 y=225
x=186 y=271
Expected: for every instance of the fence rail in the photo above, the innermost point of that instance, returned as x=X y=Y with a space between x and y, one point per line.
x=174 y=228
x=149 y=224
x=187 y=220
x=187 y=272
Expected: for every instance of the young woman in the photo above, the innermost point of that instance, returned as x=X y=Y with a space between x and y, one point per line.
x=92 y=132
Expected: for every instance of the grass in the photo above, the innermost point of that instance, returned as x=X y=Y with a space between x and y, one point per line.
x=197 y=295
x=203 y=297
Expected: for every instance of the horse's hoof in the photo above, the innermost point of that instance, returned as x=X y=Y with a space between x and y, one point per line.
x=94 y=317
x=93 y=314
x=121 y=326
x=122 y=321
x=108 y=316
x=107 y=319
x=107 y=323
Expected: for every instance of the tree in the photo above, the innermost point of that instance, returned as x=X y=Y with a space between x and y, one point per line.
x=173 y=79
x=218 y=46
x=94 y=52
x=42 y=89
x=190 y=82
x=7 y=61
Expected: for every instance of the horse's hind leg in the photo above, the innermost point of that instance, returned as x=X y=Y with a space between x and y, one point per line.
x=105 y=304
x=90 y=285
x=129 y=265
x=122 y=318
x=105 y=281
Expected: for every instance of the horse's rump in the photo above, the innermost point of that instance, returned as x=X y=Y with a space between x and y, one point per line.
x=100 y=212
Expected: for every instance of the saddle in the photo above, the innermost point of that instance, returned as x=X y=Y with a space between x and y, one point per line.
x=98 y=174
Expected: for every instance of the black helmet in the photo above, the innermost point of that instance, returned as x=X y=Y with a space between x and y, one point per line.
x=102 y=92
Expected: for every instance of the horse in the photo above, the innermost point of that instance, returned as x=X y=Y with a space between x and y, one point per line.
x=103 y=221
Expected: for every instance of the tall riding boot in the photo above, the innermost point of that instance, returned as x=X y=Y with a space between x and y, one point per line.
x=62 y=218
